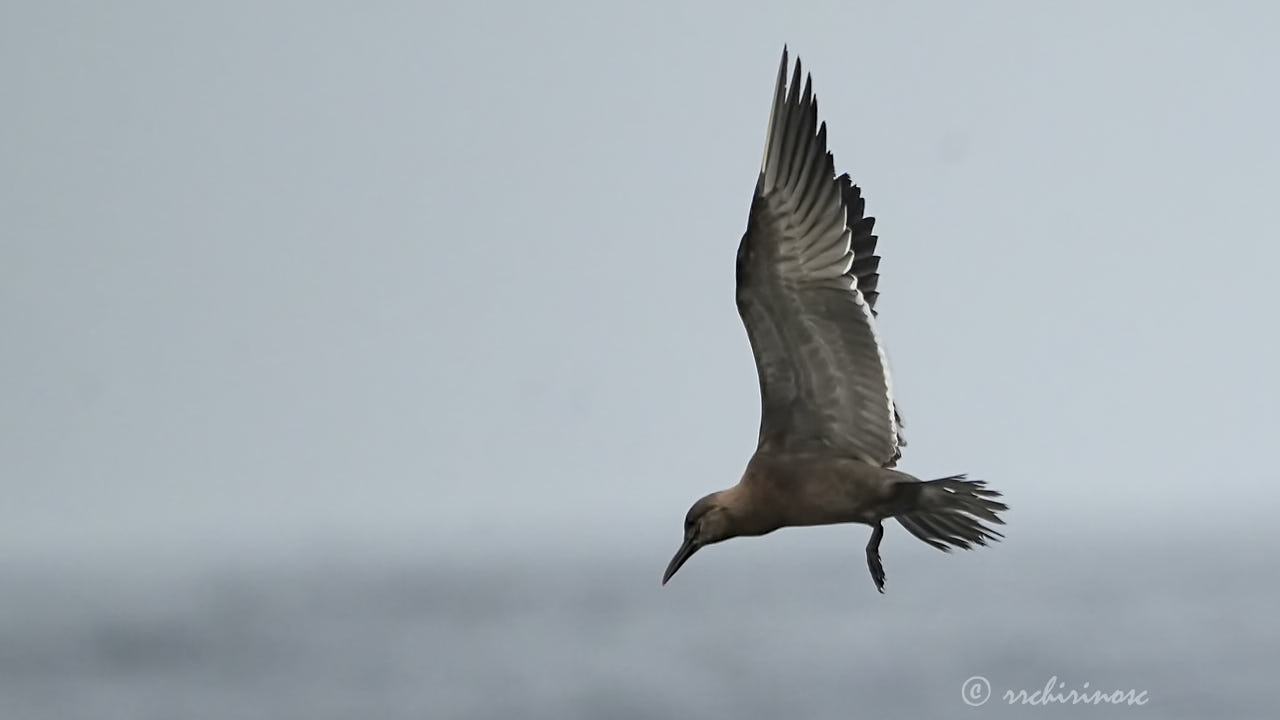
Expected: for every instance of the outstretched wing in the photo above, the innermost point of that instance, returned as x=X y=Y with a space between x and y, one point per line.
x=806 y=291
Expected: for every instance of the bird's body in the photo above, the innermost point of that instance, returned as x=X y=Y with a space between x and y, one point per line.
x=813 y=489
x=830 y=431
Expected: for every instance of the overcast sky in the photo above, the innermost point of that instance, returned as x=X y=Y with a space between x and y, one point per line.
x=459 y=277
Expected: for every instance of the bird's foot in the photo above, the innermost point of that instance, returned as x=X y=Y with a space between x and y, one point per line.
x=877 y=569
x=873 y=558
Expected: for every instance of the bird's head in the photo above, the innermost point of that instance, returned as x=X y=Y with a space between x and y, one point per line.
x=708 y=521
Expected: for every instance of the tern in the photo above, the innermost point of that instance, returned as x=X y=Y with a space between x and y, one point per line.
x=830 y=431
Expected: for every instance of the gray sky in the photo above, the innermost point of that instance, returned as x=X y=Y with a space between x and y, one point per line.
x=458 y=277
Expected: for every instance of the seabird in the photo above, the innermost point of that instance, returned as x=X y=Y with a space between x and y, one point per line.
x=830 y=431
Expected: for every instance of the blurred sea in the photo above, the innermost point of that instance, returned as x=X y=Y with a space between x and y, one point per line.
x=760 y=630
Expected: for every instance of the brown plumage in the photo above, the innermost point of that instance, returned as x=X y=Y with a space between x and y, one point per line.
x=830 y=431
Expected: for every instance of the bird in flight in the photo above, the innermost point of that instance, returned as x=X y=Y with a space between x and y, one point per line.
x=830 y=432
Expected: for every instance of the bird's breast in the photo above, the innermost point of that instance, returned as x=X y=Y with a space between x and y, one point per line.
x=816 y=490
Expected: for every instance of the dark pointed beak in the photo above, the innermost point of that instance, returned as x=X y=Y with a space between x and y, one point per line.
x=685 y=552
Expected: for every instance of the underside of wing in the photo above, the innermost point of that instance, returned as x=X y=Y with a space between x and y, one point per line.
x=807 y=276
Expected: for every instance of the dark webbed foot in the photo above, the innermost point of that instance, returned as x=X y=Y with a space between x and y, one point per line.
x=873 y=557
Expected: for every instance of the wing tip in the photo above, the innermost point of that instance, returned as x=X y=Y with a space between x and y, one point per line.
x=779 y=100
x=792 y=102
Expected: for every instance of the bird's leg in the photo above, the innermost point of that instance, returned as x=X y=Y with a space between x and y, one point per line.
x=873 y=557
